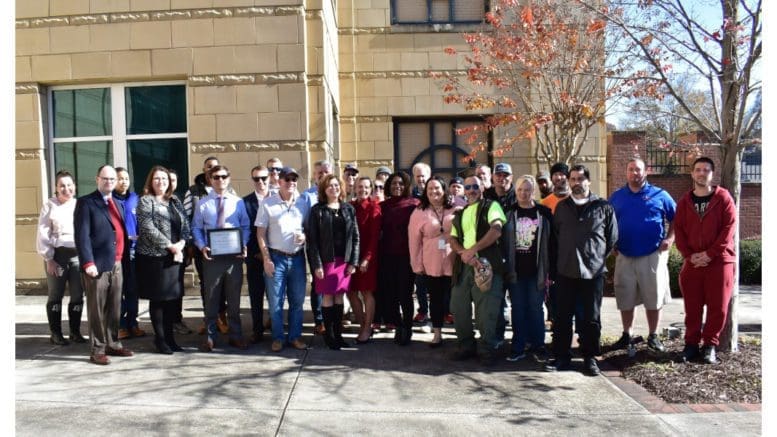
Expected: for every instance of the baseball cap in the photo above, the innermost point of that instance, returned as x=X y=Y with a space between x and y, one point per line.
x=351 y=167
x=285 y=171
x=382 y=169
x=543 y=175
x=503 y=167
x=456 y=180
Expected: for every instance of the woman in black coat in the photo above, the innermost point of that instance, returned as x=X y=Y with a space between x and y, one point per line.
x=162 y=233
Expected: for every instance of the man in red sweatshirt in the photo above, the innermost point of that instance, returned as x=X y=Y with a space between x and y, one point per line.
x=704 y=233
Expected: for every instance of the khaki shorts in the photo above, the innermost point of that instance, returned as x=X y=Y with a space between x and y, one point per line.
x=642 y=280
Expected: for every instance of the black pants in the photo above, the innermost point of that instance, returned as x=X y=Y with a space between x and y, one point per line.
x=256 y=291
x=396 y=278
x=589 y=294
x=438 y=287
x=162 y=314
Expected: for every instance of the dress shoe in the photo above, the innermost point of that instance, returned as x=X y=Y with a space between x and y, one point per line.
x=709 y=355
x=319 y=329
x=590 y=367
x=124 y=334
x=558 y=365
x=277 y=345
x=206 y=346
x=162 y=347
x=100 y=359
x=137 y=332
x=120 y=352
x=76 y=337
x=239 y=343
x=58 y=339
x=221 y=323
x=298 y=344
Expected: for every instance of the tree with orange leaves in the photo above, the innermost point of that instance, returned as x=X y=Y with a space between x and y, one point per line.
x=540 y=70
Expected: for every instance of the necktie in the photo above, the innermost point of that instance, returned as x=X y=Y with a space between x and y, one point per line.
x=220 y=217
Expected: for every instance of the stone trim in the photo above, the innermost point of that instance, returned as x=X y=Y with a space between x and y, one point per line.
x=27 y=88
x=423 y=74
x=411 y=28
x=246 y=79
x=263 y=146
x=180 y=14
x=24 y=220
x=29 y=154
x=366 y=119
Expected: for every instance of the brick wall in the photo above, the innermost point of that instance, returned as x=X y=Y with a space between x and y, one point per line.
x=622 y=146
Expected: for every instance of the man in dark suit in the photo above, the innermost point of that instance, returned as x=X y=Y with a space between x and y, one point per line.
x=101 y=242
x=254 y=270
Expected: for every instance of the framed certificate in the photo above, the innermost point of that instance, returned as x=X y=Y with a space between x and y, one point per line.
x=225 y=241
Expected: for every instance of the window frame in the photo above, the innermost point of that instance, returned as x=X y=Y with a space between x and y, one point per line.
x=451 y=5
x=119 y=137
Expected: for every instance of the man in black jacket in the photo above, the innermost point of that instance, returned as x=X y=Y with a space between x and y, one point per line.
x=584 y=231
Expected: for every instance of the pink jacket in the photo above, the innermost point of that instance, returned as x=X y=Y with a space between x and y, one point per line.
x=424 y=237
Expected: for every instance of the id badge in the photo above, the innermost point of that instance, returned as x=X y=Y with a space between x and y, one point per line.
x=442 y=243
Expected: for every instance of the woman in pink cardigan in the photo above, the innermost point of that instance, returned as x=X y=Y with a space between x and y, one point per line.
x=430 y=253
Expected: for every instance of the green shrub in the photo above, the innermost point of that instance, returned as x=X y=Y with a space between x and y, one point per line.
x=750 y=262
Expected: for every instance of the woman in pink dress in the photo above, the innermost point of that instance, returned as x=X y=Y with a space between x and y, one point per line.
x=368 y=217
x=333 y=254
x=430 y=253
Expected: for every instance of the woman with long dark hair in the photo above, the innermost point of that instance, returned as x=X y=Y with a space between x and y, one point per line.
x=56 y=244
x=395 y=274
x=162 y=234
x=333 y=254
x=430 y=253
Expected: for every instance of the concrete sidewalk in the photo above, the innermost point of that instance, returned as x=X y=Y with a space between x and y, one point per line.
x=375 y=389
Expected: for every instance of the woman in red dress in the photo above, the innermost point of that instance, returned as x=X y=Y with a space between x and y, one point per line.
x=365 y=280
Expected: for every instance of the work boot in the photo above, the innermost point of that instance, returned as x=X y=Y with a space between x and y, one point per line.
x=74 y=311
x=54 y=315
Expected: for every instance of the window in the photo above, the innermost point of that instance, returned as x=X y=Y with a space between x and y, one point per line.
x=437 y=11
x=134 y=126
x=434 y=142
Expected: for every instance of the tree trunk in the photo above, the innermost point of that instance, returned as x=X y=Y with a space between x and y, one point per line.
x=731 y=179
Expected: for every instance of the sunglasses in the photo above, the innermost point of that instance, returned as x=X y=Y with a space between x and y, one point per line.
x=379 y=187
x=276 y=169
x=216 y=177
x=259 y=178
x=290 y=179
x=473 y=187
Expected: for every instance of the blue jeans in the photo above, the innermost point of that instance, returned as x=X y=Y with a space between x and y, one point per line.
x=527 y=317
x=287 y=280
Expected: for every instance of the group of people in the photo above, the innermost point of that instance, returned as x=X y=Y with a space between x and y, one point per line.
x=459 y=243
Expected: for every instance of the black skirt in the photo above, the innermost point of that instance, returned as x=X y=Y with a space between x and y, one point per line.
x=157 y=277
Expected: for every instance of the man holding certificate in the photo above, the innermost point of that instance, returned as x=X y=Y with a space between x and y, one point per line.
x=221 y=229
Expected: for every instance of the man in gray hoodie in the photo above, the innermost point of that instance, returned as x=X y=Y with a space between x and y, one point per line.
x=584 y=233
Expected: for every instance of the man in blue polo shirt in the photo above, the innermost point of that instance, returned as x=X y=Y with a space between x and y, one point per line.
x=644 y=213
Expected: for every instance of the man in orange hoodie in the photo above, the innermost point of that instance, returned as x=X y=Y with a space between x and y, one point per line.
x=704 y=233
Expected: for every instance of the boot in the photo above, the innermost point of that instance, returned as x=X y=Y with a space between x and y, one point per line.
x=167 y=326
x=54 y=314
x=74 y=311
x=329 y=338
x=155 y=312
x=337 y=325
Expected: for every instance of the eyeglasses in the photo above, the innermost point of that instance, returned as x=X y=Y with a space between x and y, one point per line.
x=473 y=187
x=379 y=187
x=259 y=178
x=290 y=179
x=216 y=177
x=276 y=169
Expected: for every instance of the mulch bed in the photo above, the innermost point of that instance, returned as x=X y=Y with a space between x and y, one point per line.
x=737 y=378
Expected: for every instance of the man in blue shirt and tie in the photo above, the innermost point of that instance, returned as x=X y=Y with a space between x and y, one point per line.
x=221 y=210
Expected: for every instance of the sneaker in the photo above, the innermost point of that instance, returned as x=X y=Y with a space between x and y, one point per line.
x=690 y=352
x=655 y=344
x=516 y=356
x=181 y=328
x=590 y=367
x=709 y=355
x=420 y=318
x=623 y=342
x=558 y=365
